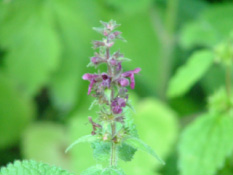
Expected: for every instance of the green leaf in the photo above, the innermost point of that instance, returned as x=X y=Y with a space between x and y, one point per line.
x=33 y=47
x=205 y=144
x=31 y=168
x=101 y=151
x=139 y=144
x=95 y=170
x=213 y=25
x=130 y=6
x=112 y=171
x=190 y=73
x=16 y=112
x=46 y=142
x=126 y=152
x=157 y=125
x=98 y=170
x=87 y=138
x=76 y=34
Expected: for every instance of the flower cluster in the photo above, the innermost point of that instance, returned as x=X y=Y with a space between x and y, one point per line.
x=110 y=87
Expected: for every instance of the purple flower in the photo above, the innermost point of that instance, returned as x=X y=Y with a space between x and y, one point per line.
x=92 y=78
x=123 y=82
x=117 y=105
x=130 y=74
x=106 y=80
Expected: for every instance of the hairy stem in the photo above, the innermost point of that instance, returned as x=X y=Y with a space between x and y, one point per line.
x=113 y=158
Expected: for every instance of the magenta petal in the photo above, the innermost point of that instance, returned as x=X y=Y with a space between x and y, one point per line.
x=90 y=86
x=86 y=77
x=136 y=70
x=132 y=81
x=124 y=82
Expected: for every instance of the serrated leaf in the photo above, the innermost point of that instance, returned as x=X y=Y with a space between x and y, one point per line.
x=139 y=144
x=101 y=151
x=126 y=152
x=190 y=73
x=46 y=142
x=16 y=112
x=95 y=170
x=31 y=168
x=205 y=144
x=87 y=138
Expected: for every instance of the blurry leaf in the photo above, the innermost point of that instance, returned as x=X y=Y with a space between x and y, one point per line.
x=213 y=25
x=87 y=138
x=130 y=6
x=15 y=113
x=220 y=102
x=95 y=170
x=31 y=168
x=191 y=33
x=112 y=171
x=46 y=142
x=213 y=79
x=205 y=144
x=190 y=73
x=143 y=48
x=139 y=144
x=126 y=152
x=33 y=49
x=186 y=12
x=98 y=170
x=157 y=125
x=81 y=155
x=76 y=35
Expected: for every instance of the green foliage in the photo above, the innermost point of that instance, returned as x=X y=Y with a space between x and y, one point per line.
x=160 y=133
x=126 y=152
x=190 y=73
x=87 y=138
x=16 y=112
x=205 y=144
x=112 y=171
x=129 y=6
x=211 y=27
x=98 y=170
x=31 y=168
x=224 y=51
x=46 y=141
x=95 y=170
x=139 y=144
x=101 y=151
x=219 y=102
x=33 y=47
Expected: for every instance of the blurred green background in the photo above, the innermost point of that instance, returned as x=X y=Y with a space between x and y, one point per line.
x=45 y=46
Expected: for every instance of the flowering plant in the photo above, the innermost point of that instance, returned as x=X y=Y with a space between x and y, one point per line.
x=114 y=135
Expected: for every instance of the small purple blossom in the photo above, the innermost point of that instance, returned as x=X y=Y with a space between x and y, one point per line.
x=123 y=82
x=117 y=105
x=113 y=79
x=130 y=74
x=92 y=78
x=106 y=80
